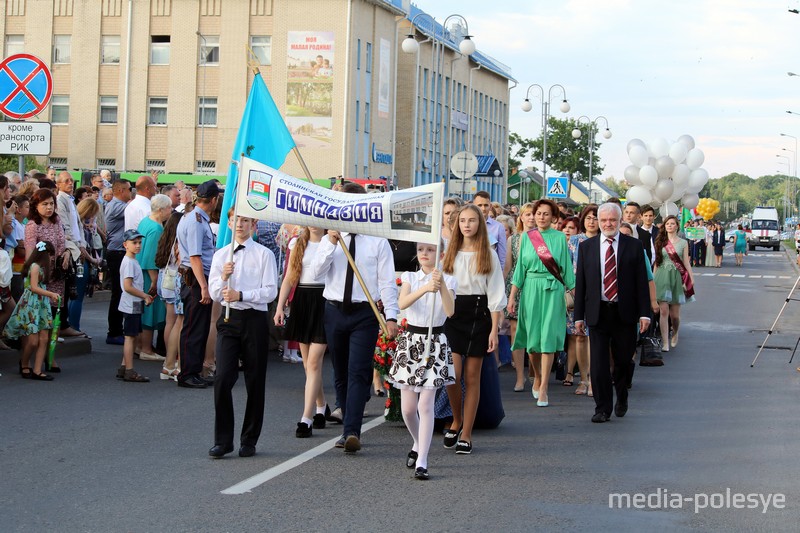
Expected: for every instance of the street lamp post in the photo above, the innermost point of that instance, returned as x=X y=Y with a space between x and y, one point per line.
x=203 y=105
x=794 y=184
x=789 y=171
x=411 y=46
x=527 y=106
x=524 y=186
x=576 y=134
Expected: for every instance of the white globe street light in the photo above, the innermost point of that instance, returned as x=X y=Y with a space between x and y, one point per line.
x=576 y=133
x=527 y=106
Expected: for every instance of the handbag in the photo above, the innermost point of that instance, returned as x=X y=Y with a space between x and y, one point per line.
x=168 y=280
x=550 y=264
x=650 y=346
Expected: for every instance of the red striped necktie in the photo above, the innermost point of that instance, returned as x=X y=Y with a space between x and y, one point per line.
x=610 y=278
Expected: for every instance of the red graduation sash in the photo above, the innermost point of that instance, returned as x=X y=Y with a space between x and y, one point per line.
x=688 y=286
x=544 y=254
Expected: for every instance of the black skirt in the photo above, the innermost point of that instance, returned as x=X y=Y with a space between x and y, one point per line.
x=306 y=322
x=469 y=328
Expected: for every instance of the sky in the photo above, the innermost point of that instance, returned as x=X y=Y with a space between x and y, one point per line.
x=713 y=69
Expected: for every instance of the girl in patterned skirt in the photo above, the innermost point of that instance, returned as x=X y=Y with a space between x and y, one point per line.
x=32 y=319
x=416 y=373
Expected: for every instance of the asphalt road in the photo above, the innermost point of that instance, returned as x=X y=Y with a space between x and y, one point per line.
x=89 y=453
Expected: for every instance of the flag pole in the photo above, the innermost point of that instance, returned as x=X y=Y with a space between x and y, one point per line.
x=429 y=340
x=350 y=260
x=233 y=237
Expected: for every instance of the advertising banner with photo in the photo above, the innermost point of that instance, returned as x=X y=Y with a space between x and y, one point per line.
x=413 y=215
x=309 y=89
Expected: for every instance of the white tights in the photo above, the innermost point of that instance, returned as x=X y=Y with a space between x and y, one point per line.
x=418 y=416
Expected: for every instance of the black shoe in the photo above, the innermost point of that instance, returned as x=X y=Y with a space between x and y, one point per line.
x=463 y=447
x=421 y=474
x=303 y=431
x=192 y=382
x=118 y=341
x=218 y=450
x=599 y=418
x=209 y=380
x=121 y=372
x=411 y=462
x=620 y=409
x=319 y=421
x=245 y=450
x=451 y=437
x=352 y=444
x=340 y=442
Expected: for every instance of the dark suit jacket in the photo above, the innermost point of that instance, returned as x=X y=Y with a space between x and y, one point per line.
x=632 y=289
x=718 y=238
x=647 y=240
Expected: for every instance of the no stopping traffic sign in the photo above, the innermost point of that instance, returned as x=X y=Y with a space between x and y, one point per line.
x=25 y=86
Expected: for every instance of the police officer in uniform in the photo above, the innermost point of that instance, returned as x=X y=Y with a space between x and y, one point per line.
x=196 y=247
x=247 y=285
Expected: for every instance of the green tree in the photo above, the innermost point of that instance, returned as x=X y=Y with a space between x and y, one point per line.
x=565 y=153
x=518 y=150
x=618 y=186
x=11 y=162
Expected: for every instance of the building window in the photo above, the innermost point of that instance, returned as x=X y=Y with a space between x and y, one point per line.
x=209 y=50
x=58 y=163
x=61 y=48
x=15 y=44
x=159 y=49
x=157 y=111
x=261 y=45
x=366 y=117
x=207 y=115
x=108 y=164
x=155 y=165
x=108 y=110
x=369 y=57
x=206 y=167
x=358 y=54
x=110 y=49
x=358 y=113
x=59 y=109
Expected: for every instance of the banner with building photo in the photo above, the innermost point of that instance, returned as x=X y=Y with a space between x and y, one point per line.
x=413 y=215
x=384 y=79
x=309 y=88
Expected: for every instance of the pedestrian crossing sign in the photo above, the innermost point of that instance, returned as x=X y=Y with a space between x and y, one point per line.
x=557 y=187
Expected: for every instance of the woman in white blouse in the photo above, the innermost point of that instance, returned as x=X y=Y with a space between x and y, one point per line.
x=472 y=330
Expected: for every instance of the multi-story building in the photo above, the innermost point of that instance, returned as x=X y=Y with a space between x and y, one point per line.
x=142 y=85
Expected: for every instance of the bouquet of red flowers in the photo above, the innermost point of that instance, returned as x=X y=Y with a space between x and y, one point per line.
x=382 y=361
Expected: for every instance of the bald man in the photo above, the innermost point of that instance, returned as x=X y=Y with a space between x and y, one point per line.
x=139 y=208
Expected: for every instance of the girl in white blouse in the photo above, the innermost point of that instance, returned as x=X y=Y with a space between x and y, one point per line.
x=416 y=372
x=472 y=330
x=306 y=325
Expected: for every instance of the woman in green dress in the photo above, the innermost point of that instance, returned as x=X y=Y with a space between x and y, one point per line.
x=740 y=245
x=669 y=285
x=525 y=223
x=542 y=318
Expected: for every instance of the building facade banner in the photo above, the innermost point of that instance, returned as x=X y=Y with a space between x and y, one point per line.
x=413 y=214
x=309 y=90
x=384 y=79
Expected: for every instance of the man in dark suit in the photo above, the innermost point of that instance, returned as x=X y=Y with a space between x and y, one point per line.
x=631 y=215
x=611 y=297
x=648 y=218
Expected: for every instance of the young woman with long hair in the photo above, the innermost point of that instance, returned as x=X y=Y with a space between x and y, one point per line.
x=167 y=257
x=670 y=290
x=306 y=325
x=472 y=330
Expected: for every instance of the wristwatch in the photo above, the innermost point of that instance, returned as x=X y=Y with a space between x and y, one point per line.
x=241 y=296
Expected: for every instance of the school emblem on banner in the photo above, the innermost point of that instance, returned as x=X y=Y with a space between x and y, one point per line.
x=258 y=189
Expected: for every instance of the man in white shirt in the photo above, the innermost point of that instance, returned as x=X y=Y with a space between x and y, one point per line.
x=247 y=285
x=350 y=325
x=139 y=208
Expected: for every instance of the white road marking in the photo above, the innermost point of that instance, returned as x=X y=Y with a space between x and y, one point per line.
x=707 y=274
x=759 y=276
x=725 y=275
x=259 y=479
x=785 y=277
x=738 y=275
x=769 y=277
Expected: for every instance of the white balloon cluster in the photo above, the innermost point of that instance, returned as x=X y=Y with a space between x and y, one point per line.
x=663 y=174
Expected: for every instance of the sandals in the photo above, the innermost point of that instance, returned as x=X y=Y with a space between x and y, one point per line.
x=568 y=382
x=25 y=372
x=167 y=374
x=132 y=376
x=582 y=389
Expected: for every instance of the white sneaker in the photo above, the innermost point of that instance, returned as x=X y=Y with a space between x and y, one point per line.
x=293 y=357
x=144 y=356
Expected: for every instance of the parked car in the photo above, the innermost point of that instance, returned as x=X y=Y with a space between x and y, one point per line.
x=730 y=234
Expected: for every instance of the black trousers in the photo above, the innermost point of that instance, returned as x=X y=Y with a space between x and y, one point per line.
x=194 y=334
x=245 y=336
x=611 y=337
x=114 y=261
